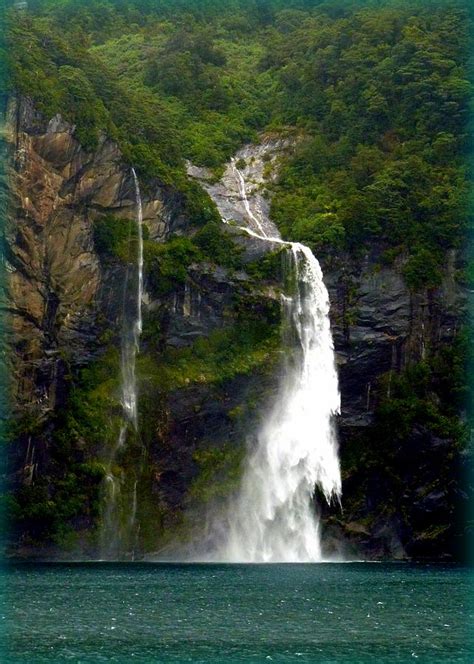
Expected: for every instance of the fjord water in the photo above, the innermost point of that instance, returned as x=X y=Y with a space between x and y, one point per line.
x=229 y=614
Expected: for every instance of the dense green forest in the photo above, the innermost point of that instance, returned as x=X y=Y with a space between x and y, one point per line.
x=377 y=92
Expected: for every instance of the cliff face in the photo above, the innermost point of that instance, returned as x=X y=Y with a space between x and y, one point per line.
x=66 y=304
x=58 y=294
x=402 y=477
x=401 y=492
x=209 y=356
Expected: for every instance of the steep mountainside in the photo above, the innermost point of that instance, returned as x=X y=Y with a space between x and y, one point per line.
x=209 y=337
x=209 y=360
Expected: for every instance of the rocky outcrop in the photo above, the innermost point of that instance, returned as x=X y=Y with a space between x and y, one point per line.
x=58 y=295
x=399 y=502
x=380 y=326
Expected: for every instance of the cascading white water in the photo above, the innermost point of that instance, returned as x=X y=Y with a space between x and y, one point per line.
x=131 y=342
x=243 y=194
x=273 y=518
x=131 y=332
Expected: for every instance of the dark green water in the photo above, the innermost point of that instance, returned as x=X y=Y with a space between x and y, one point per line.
x=338 y=614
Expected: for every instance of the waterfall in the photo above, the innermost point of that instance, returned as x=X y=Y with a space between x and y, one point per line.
x=273 y=518
x=243 y=195
x=131 y=338
x=112 y=535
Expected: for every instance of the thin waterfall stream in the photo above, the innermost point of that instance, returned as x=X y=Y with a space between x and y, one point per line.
x=113 y=536
x=243 y=194
x=273 y=517
x=131 y=342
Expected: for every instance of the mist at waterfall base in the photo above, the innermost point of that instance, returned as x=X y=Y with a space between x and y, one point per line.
x=230 y=614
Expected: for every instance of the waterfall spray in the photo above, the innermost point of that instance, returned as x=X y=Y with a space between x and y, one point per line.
x=273 y=517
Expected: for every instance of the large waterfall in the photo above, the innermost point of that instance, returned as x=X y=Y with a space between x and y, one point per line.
x=117 y=522
x=273 y=517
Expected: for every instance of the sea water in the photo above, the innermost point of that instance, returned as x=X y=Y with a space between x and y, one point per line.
x=350 y=613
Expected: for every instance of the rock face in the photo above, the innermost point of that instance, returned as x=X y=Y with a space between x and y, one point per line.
x=66 y=310
x=208 y=362
x=380 y=326
x=380 y=330
x=57 y=291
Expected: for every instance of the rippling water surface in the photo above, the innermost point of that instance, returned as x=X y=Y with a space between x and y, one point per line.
x=323 y=613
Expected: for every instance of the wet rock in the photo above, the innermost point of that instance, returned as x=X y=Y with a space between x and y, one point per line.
x=59 y=297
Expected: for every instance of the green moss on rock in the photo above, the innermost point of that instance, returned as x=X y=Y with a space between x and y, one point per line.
x=219 y=473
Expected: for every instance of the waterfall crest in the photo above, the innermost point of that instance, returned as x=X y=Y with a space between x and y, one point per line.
x=273 y=517
x=116 y=530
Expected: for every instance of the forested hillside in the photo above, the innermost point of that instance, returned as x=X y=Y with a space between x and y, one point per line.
x=380 y=95
x=374 y=99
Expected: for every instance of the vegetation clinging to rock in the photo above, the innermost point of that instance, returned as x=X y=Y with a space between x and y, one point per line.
x=379 y=93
